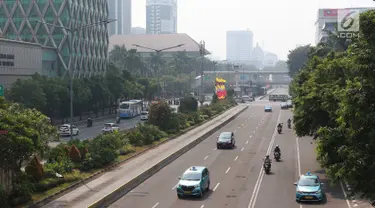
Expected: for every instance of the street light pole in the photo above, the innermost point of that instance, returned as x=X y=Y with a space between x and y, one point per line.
x=71 y=32
x=202 y=50
x=158 y=52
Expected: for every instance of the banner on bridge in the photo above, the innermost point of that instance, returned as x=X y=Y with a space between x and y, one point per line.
x=220 y=90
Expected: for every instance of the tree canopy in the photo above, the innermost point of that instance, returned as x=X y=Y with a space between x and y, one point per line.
x=334 y=95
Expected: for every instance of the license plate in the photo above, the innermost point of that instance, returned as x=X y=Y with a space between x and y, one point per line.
x=308 y=197
x=187 y=192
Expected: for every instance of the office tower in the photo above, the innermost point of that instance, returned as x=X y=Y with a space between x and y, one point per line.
x=24 y=21
x=121 y=10
x=161 y=16
x=239 y=46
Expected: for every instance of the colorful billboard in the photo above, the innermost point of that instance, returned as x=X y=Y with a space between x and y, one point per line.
x=220 y=90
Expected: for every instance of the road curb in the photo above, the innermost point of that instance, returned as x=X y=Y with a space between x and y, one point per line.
x=125 y=188
x=75 y=185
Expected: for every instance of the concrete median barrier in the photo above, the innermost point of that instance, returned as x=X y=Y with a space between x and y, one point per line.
x=125 y=188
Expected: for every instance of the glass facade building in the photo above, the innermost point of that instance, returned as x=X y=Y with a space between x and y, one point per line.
x=46 y=22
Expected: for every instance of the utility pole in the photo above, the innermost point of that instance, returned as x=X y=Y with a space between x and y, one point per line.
x=202 y=51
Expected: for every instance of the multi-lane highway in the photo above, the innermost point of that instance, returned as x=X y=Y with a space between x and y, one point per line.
x=237 y=179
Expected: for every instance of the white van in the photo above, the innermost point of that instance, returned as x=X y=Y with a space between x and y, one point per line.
x=144 y=115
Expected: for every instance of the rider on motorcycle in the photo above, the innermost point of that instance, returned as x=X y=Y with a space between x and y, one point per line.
x=267 y=160
x=289 y=121
x=277 y=149
x=89 y=121
x=118 y=119
x=280 y=126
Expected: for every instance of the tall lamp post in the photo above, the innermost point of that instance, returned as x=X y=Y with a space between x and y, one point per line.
x=158 y=51
x=71 y=33
x=202 y=52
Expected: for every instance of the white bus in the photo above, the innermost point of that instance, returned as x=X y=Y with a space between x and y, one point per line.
x=130 y=109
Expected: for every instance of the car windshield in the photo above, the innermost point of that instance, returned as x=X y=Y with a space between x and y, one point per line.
x=308 y=182
x=225 y=136
x=144 y=113
x=107 y=125
x=191 y=177
x=64 y=127
x=124 y=106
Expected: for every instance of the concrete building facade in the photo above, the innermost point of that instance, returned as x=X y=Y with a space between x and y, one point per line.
x=239 y=46
x=161 y=16
x=121 y=10
x=46 y=23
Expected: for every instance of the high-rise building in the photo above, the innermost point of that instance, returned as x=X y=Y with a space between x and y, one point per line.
x=121 y=10
x=327 y=19
x=45 y=23
x=161 y=16
x=138 y=31
x=239 y=46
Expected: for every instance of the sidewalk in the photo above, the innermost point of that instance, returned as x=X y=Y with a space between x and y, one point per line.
x=97 y=189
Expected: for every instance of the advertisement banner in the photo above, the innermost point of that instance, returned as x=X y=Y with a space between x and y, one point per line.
x=220 y=90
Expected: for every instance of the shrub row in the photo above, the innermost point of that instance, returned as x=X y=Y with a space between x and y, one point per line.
x=66 y=162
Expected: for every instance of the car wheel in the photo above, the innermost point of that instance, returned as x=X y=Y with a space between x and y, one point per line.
x=77 y=133
x=208 y=186
x=200 y=194
x=218 y=147
x=179 y=196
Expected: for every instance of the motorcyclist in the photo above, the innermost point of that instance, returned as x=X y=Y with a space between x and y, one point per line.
x=277 y=149
x=89 y=121
x=289 y=121
x=267 y=160
x=118 y=119
x=280 y=126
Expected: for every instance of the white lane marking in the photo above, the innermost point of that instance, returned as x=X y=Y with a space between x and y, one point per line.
x=247 y=142
x=175 y=186
x=250 y=136
x=206 y=157
x=227 y=170
x=254 y=131
x=215 y=149
x=242 y=149
x=261 y=172
x=236 y=158
x=256 y=128
x=202 y=206
x=346 y=196
x=242 y=124
x=234 y=131
x=298 y=162
x=217 y=185
x=239 y=126
x=298 y=158
x=155 y=205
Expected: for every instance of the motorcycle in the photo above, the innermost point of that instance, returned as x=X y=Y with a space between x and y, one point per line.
x=279 y=130
x=118 y=120
x=277 y=156
x=89 y=123
x=289 y=125
x=267 y=167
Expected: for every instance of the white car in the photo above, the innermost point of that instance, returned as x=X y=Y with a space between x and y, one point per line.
x=144 y=115
x=110 y=127
x=64 y=130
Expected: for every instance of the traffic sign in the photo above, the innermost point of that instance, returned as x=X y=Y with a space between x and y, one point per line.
x=1 y=91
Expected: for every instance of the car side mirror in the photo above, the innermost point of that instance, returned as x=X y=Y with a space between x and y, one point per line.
x=179 y=177
x=295 y=184
x=322 y=184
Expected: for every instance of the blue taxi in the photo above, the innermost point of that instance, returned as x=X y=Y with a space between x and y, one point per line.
x=309 y=188
x=268 y=108
x=194 y=182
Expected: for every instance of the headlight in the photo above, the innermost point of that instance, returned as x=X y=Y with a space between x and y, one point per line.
x=319 y=191
x=196 y=186
x=299 y=192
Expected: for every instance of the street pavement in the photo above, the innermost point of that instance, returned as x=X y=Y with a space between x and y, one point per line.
x=237 y=179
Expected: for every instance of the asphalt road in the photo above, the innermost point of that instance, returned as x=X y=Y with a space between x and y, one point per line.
x=96 y=129
x=237 y=179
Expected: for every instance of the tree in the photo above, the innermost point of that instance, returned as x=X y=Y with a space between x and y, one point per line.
x=160 y=115
x=297 y=58
x=74 y=154
x=188 y=104
x=28 y=92
x=35 y=169
x=334 y=95
x=28 y=132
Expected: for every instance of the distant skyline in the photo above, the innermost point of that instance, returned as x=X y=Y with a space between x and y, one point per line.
x=280 y=25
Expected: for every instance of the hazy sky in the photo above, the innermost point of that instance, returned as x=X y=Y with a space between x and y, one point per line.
x=278 y=25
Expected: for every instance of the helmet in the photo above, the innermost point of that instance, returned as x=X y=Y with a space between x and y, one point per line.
x=267 y=156
x=277 y=145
